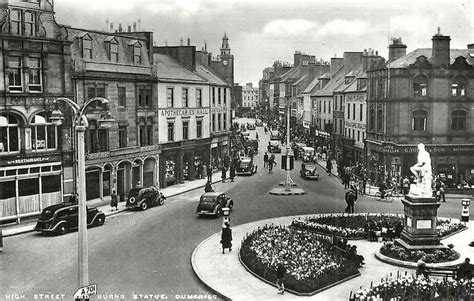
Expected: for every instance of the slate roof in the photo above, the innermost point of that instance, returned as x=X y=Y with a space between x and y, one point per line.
x=333 y=84
x=311 y=85
x=353 y=73
x=209 y=75
x=169 y=69
x=410 y=58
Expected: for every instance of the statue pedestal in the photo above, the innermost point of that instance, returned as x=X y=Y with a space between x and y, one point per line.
x=419 y=231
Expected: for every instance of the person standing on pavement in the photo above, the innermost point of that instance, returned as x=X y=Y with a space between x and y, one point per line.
x=350 y=201
x=114 y=201
x=328 y=166
x=265 y=160
x=232 y=171
x=209 y=173
x=280 y=281
x=226 y=238
x=224 y=174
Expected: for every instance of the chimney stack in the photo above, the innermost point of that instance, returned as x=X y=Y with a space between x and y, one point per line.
x=129 y=28
x=120 y=27
x=205 y=46
x=189 y=42
x=470 y=46
x=181 y=42
x=352 y=59
x=396 y=50
x=139 y=25
x=440 y=54
x=134 y=26
x=106 y=24
x=336 y=64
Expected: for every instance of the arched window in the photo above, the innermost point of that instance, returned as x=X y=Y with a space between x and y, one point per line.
x=458 y=87
x=43 y=134
x=420 y=86
x=379 y=120
x=458 y=120
x=419 y=120
x=371 y=119
x=9 y=134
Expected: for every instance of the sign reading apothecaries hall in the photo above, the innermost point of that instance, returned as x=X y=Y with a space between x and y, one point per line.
x=184 y=112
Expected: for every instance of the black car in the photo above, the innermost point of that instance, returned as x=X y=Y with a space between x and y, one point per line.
x=61 y=218
x=246 y=166
x=211 y=203
x=308 y=171
x=144 y=198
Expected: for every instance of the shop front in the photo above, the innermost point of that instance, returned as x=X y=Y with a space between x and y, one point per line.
x=220 y=151
x=27 y=185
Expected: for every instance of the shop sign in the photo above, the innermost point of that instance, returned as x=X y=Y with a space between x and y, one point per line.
x=356 y=97
x=184 y=112
x=395 y=149
x=33 y=160
x=306 y=124
x=356 y=125
x=338 y=114
x=219 y=109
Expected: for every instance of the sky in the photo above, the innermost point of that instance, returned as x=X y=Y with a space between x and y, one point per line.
x=263 y=31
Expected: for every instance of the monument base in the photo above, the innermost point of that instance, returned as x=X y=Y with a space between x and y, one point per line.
x=407 y=246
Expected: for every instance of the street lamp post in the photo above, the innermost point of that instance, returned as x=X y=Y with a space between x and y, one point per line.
x=80 y=125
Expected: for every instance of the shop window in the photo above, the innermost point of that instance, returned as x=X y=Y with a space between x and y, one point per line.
x=170 y=97
x=198 y=98
x=43 y=134
x=122 y=136
x=420 y=86
x=185 y=130
x=28 y=187
x=419 y=119
x=7 y=190
x=35 y=78
x=50 y=184
x=199 y=129
x=122 y=96
x=458 y=120
x=380 y=121
x=185 y=95
x=9 y=134
x=170 y=131
x=92 y=183
x=458 y=87
x=30 y=25
x=15 y=75
x=15 y=21
x=106 y=181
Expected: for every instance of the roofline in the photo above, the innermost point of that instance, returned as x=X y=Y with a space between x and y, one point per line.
x=118 y=34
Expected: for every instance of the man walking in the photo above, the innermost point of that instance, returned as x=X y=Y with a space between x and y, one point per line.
x=265 y=160
x=350 y=200
x=209 y=173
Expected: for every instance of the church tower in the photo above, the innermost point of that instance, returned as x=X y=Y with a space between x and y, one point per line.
x=224 y=66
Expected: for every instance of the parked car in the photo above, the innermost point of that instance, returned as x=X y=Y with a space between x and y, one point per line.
x=274 y=146
x=144 y=198
x=246 y=166
x=308 y=171
x=63 y=217
x=211 y=203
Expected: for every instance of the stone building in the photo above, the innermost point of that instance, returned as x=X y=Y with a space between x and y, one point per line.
x=425 y=96
x=249 y=97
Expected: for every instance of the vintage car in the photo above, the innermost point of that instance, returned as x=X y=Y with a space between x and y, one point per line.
x=211 y=203
x=274 y=146
x=253 y=143
x=308 y=171
x=246 y=166
x=251 y=126
x=275 y=135
x=308 y=153
x=144 y=198
x=61 y=218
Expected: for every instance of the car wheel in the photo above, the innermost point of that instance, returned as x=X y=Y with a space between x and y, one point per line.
x=144 y=206
x=131 y=200
x=62 y=229
x=161 y=201
x=219 y=211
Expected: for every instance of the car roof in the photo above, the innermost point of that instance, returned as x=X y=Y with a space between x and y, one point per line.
x=59 y=206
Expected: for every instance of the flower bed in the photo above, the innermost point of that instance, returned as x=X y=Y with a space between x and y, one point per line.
x=409 y=288
x=431 y=256
x=354 y=226
x=311 y=262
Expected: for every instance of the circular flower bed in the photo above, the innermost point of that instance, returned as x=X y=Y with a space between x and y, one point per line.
x=311 y=262
x=431 y=256
x=354 y=226
x=409 y=288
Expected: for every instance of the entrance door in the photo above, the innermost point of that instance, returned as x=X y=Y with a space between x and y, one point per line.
x=120 y=183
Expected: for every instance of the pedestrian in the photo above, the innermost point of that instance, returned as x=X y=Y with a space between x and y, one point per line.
x=350 y=200
x=114 y=201
x=209 y=173
x=224 y=174
x=226 y=238
x=421 y=268
x=465 y=271
x=328 y=166
x=265 y=160
x=405 y=185
x=232 y=171
x=280 y=281
x=208 y=187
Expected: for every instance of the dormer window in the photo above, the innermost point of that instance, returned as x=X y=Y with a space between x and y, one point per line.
x=87 y=47
x=112 y=48
x=136 y=52
x=420 y=86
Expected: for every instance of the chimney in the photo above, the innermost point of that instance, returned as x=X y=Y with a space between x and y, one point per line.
x=205 y=46
x=120 y=27
x=134 y=26
x=440 y=54
x=352 y=59
x=129 y=28
x=106 y=24
x=189 y=42
x=470 y=46
x=111 y=27
x=139 y=25
x=181 y=42
x=336 y=64
x=396 y=50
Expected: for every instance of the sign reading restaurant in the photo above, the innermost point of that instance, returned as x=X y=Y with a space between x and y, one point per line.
x=184 y=112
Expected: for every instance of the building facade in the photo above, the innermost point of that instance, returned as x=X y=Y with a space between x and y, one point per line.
x=249 y=97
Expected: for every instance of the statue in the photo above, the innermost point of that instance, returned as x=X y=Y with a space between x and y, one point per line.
x=422 y=172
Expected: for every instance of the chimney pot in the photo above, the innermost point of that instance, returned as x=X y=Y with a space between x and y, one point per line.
x=189 y=42
x=181 y=42
x=470 y=46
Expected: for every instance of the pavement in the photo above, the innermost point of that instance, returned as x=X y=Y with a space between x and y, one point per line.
x=227 y=277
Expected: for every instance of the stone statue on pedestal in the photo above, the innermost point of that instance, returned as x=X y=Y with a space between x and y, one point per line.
x=423 y=175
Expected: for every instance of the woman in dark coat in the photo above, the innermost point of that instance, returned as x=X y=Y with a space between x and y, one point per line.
x=226 y=238
x=232 y=171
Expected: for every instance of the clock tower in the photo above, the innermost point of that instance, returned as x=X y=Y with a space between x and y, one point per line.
x=224 y=66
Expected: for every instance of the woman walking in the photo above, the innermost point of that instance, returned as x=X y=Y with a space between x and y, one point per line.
x=226 y=238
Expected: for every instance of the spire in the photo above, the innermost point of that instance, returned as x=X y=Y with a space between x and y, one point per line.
x=225 y=49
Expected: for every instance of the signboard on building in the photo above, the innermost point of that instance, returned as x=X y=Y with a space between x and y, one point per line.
x=31 y=160
x=184 y=112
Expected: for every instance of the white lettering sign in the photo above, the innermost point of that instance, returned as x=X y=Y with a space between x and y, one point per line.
x=86 y=291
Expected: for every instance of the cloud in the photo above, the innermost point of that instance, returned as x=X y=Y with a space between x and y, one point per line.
x=340 y=27
x=288 y=27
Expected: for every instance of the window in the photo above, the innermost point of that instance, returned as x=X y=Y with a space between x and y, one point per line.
x=170 y=131
x=371 y=119
x=213 y=96
x=113 y=51
x=15 y=21
x=170 y=97
x=379 y=120
x=324 y=108
x=185 y=97
x=420 y=86
x=137 y=54
x=199 y=129
x=198 y=98
x=122 y=96
x=353 y=111
x=458 y=87
x=185 y=130
x=219 y=125
x=361 y=109
x=29 y=23
x=458 y=120
x=95 y=90
x=34 y=82
x=9 y=134
x=358 y=135
x=419 y=120
x=225 y=96
x=15 y=75
x=224 y=121
x=340 y=126
x=348 y=111
x=87 y=47
x=219 y=96
x=213 y=122
x=144 y=97
x=146 y=131
x=43 y=134
x=97 y=138
x=122 y=136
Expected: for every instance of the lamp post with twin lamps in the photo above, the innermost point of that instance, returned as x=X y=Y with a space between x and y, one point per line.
x=80 y=125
